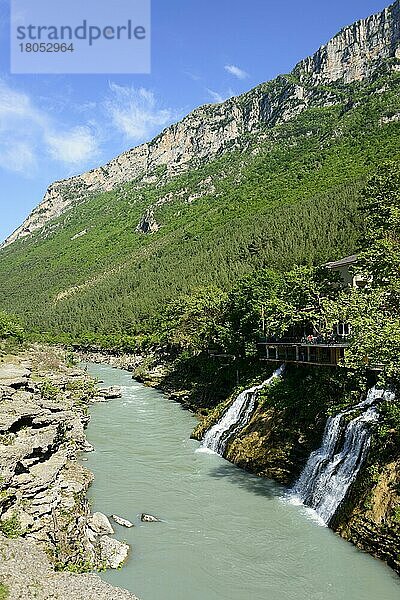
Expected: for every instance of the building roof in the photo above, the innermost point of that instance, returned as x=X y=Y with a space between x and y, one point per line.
x=343 y=262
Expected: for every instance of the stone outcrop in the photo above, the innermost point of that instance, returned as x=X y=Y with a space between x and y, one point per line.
x=43 y=415
x=213 y=129
x=370 y=516
x=148 y=223
x=352 y=55
x=28 y=573
x=110 y=393
x=129 y=362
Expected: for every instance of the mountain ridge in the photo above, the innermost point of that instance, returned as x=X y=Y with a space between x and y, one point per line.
x=211 y=130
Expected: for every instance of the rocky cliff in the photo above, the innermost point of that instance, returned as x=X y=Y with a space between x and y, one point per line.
x=43 y=505
x=201 y=136
x=351 y=55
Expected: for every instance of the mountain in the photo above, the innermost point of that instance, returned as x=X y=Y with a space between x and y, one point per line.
x=352 y=55
x=272 y=177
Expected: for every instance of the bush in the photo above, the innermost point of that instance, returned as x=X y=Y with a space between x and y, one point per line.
x=4 y=592
x=11 y=527
x=10 y=327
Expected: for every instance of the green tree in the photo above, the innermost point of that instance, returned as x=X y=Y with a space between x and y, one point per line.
x=10 y=327
x=193 y=322
x=374 y=312
x=380 y=242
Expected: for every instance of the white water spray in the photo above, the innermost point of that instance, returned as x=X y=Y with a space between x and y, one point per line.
x=332 y=468
x=235 y=417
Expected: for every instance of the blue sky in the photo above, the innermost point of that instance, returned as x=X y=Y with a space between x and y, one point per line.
x=55 y=126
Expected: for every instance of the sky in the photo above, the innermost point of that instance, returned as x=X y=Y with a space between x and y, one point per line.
x=56 y=126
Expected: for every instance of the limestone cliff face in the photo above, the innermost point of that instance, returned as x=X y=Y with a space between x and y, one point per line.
x=213 y=129
x=199 y=137
x=353 y=53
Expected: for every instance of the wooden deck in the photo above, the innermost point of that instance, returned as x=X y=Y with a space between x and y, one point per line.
x=319 y=354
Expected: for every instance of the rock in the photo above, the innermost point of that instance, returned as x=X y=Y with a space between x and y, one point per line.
x=121 y=521
x=21 y=396
x=100 y=524
x=98 y=400
x=27 y=572
x=149 y=518
x=25 y=520
x=214 y=129
x=87 y=447
x=110 y=393
x=6 y=392
x=113 y=552
x=14 y=376
x=148 y=223
x=354 y=52
x=43 y=486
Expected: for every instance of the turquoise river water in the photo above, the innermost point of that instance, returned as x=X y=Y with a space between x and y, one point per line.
x=225 y=534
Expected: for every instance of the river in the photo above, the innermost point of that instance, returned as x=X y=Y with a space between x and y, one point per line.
x=225 y=534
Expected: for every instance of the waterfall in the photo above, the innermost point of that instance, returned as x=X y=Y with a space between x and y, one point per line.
x=332 y=468
x=235 y=417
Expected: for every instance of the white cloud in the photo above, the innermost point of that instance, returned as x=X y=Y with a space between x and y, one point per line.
x=215 y=96
x=16 y=106
x=218 y=98
x=192 y=76
x=18 y=157
x=73 y=147
x=27 y=132
x=236 y=71
x=135 y=112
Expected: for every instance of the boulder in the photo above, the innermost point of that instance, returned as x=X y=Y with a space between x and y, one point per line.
x=110 y=393
x=121 y=521
x=148 y=223
x=100 y=524
x=113 y=552
x=149 y=518
x=14 y=376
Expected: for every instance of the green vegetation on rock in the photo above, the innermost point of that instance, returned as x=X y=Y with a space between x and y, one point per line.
x=11 y=527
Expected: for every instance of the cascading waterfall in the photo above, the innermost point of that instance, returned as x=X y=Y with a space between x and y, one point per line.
x=235 y=417
x=332 y=468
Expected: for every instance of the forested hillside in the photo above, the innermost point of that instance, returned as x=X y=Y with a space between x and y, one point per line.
x=286 y=195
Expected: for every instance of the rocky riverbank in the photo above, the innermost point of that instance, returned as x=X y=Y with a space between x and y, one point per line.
x=26 y=572
x=156 y=370
x=129 y=362
x=44 y=513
